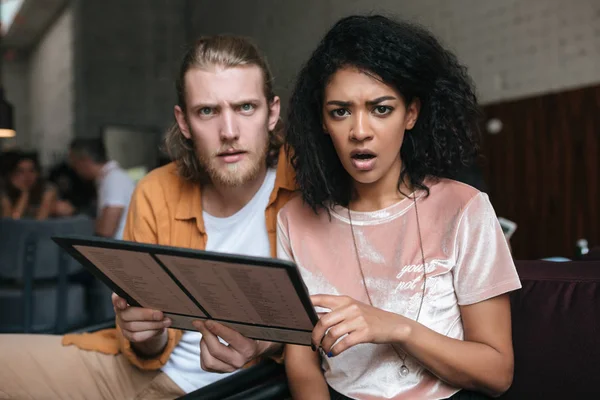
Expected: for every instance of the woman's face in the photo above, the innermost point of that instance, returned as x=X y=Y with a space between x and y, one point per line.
x=25 y=175
x=366 y=120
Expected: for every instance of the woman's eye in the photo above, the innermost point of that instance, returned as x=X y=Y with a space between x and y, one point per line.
x=382 y=110
x=340 y=112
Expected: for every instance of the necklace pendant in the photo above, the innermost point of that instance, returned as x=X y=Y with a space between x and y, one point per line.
x=404 y=371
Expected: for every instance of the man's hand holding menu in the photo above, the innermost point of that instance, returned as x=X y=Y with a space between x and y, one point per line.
x=218 y=357
x=254 y=304
x=146 y=329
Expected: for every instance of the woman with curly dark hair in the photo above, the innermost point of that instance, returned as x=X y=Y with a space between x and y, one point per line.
x=409 y=269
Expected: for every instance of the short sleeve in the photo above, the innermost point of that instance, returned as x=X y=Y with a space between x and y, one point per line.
x=116 y=190
x=484 y=265
x=284 y=250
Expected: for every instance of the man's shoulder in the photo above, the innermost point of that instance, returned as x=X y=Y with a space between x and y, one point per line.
x=163 y=178
x=161 y=187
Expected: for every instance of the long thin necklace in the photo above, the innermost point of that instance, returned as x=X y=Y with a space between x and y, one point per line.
x=404 y=371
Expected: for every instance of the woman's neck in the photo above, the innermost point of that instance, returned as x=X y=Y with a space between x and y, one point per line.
x=380 y=194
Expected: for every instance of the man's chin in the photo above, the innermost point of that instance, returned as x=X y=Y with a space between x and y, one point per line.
x=233 y=177
x=233 y=174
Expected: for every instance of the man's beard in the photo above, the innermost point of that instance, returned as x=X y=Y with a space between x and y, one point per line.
x=235 y=174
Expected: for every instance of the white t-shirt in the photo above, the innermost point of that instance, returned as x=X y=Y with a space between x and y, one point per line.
x=115 y=189
x=245 y=233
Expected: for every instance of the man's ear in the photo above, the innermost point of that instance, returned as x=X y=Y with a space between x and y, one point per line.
x=274 y=112
x=182 y=122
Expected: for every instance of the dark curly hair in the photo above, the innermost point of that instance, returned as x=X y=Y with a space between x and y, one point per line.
x=407 y=58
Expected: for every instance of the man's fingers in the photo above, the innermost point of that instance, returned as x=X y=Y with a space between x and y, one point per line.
x=210 y=363
x=134 y=313
x=221 y=351
x=200 y=326
x=137 y=329
x=118 y=302
x=138 y=326
x=140 y=336
x=236 y=340
x=140 y=314
x=229 y=355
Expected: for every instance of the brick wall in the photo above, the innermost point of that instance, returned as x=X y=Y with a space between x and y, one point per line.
x=51 y=91
x=513 y=48
x=113 y=62
x=127 y=53
x=15 y=80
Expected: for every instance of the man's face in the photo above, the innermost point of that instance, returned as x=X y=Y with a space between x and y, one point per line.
x=83 y=166
x=228 y=119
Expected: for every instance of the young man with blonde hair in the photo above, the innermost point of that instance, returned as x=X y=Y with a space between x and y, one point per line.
x=222 y=193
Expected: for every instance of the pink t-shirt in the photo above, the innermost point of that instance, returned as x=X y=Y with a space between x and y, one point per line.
x=467 y=259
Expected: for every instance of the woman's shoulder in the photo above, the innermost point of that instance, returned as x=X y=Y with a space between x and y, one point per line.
x=451 y=193
x=297 y=212
x=296 y=207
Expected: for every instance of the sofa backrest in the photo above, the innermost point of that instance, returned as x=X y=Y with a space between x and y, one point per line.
x=28 y=241
x=556 y=330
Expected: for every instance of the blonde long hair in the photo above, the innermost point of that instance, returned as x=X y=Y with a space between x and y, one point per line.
x=227 y=51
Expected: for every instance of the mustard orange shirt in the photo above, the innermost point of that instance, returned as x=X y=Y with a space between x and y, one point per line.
x=167 y=210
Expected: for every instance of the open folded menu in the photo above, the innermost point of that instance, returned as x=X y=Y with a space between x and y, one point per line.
x=261 y=298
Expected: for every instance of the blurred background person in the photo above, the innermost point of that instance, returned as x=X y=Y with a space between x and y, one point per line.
x=114 y=187
x=26 y=194
x=74 y=195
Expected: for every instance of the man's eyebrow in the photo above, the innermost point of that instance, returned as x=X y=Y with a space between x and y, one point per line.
x=246 y=101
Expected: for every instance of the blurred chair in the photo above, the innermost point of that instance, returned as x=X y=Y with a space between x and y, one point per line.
x=35 y=293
